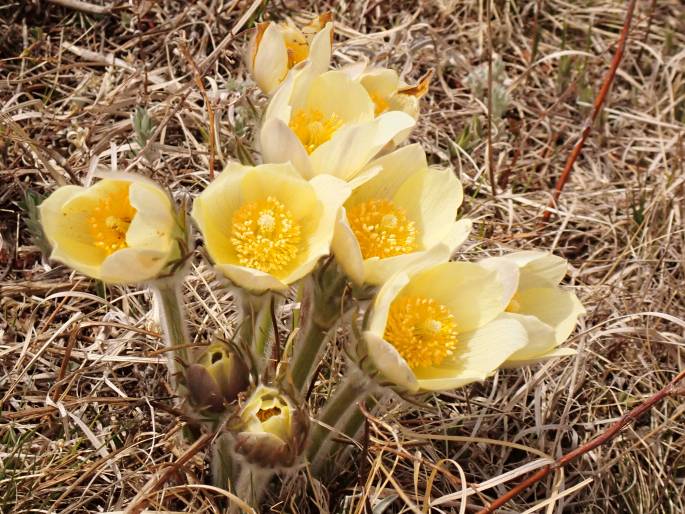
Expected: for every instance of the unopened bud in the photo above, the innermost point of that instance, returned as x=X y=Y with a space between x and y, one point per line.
x=217 y=379
x=271 y=431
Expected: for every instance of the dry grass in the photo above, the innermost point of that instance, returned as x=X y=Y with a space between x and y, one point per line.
x=87 y=415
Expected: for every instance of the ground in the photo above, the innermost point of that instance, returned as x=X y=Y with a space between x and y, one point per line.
x=88 y=417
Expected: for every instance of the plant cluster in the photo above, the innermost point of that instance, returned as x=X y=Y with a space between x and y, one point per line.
x=348 y=221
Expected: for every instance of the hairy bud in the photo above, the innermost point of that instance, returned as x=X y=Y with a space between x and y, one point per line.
x=217 y=379
x=270 y=430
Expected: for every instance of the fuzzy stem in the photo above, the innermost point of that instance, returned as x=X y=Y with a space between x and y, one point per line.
x=251 y=485
x=342 y=414
x=308 y=353
x=223 y=465
x=167 y=294
x=322 y=308
x=256 y=327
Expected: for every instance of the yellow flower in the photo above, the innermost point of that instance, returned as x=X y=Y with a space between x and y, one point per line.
x=325 y=123
x=389 y=92
x=276 y=47
x=266 y=227
x=533 y=297
x=395 y=218
x=270 y=430
x=440 y=327
x=122 y=230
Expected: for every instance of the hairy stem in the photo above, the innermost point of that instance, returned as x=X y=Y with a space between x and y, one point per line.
x=340 y=417
x=322 y=308
x=167 y=294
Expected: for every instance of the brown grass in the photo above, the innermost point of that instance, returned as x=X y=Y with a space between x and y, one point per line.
x=88 y=418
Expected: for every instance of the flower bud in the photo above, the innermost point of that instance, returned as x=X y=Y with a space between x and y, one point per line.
x=271 y=431
x=276 y=47
x=217 y=379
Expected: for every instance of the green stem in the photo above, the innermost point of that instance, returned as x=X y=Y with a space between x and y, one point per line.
x=308 y=351
x=167 y=294
x=340 y=416
x=256 y=327
x=322 y=308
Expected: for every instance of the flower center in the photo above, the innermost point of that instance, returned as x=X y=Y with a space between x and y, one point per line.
x=265 y=414
x=313 y=128
x=110 y=219
x=382 y=229
x=422 y=330
x=265 y=236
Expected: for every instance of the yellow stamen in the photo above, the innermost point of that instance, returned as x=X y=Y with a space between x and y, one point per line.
x=265 y=235
x=423 y=331
x=382 y=229
x=313 y=128
x=110 y=219
x=265 y=414
x=381 y=103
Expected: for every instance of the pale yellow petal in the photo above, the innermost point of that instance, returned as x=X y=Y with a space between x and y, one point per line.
x=431 y=199
x=457 y=234
x=390 y=364
x=380 y=82
x=213 y=210
x=479 y=354
x=347 y=252
x=378 y=271
x=353 y=146
x=355 y=69
x=334 y=93
x=553 y=354
x=395 y=168
x=153 y=224
x=283 y=182
x=69 y=235
x=280 y=144
x=384 y=298
x=331 y=193
x=538 y=269
x=472 y=293
x=270 y=60
x=251 y=279
x=132 y=265
x=320 y=49
x=548 y=270
x=556 y=307
x=541 y=338
x=508 y=273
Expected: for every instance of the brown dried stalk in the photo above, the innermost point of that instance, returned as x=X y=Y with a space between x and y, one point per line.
x=596 y=108
x=604 y=437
